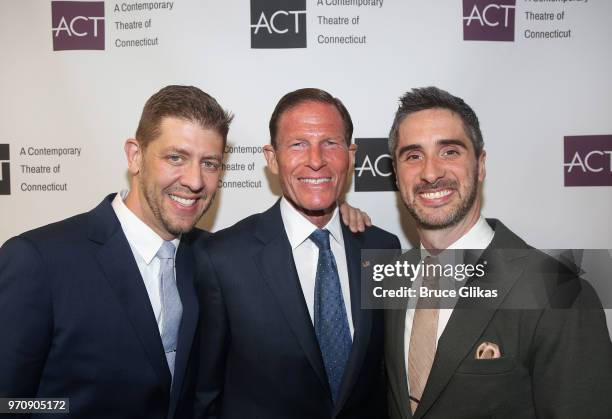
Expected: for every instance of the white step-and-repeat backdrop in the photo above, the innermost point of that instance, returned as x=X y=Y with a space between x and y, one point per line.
x=75 y=75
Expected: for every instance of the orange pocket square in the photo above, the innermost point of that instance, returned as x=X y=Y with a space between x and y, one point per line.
x=488 y=350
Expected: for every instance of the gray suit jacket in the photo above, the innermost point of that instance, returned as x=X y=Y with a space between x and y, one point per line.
x=556 y=353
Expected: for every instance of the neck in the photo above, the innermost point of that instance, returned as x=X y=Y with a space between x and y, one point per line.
x=134 y=202
x=320 y=218
x=442 y=238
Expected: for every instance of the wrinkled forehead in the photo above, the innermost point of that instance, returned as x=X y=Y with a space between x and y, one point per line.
x=431 y=126
x=187 y=136
x=315 y=117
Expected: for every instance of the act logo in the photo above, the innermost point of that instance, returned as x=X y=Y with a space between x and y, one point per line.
x=278 y=23
x=77 y=25
x=488 y=20
x=5 y=170
x=587 y=160
x=373 y=166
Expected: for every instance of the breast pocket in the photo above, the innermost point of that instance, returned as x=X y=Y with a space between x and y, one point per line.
x=502 y=365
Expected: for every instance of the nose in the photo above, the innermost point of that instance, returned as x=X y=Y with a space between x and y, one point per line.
x=316 y=159
x=192 y=177
x=432 y=170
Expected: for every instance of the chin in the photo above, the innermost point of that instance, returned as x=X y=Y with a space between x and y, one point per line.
x=181 y=227
x=312 y=208
x=320 y=204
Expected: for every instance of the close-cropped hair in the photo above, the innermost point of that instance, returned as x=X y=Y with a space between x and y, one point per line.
x=185 y=102
x=297 y=97
x=420 y=99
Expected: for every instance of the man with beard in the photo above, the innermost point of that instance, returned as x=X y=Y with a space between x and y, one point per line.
x=540 y=349
x=100 y=308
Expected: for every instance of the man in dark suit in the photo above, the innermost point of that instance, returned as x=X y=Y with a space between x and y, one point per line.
x=91 y=308
x=540 y=349
x=284 y=335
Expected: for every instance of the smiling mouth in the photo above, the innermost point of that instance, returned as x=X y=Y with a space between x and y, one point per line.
x=436 y=194
x=183 y=201
x=315 y=181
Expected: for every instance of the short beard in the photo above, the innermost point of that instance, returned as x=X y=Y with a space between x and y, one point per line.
x=176 y=231
x=455 y=216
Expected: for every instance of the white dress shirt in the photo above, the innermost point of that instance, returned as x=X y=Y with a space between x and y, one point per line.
x=144 y=243
x=306 y=254
x=478 y=237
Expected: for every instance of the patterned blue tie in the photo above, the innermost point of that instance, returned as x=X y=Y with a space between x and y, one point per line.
x=330 y=320
x=172 y=308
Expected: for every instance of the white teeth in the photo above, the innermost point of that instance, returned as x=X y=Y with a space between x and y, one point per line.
x=182 y=201
x=316 y=181
x=436 y=195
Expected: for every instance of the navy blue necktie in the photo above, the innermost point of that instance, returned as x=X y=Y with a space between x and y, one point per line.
x=330 y=320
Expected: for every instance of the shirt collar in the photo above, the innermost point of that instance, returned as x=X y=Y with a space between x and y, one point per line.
x=477 y=238
x=298 y=227
x=141 y=237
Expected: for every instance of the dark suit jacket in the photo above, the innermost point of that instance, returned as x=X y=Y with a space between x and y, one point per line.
x=76 y=322
x=556 y=353
x=260 y=356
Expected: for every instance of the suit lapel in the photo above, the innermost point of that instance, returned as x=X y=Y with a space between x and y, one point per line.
x=362 y=319
x=470 y=317
x=277 y=268
x=117 y=262
x=185 y=284
x=395 y=323
x=395 y=354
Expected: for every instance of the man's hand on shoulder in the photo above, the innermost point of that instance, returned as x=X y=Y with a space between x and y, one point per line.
x=354 y=218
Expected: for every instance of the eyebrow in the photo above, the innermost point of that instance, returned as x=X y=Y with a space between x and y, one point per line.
x=213 y=157
x=450 y=141
x=186 y=152
x=453 y=141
